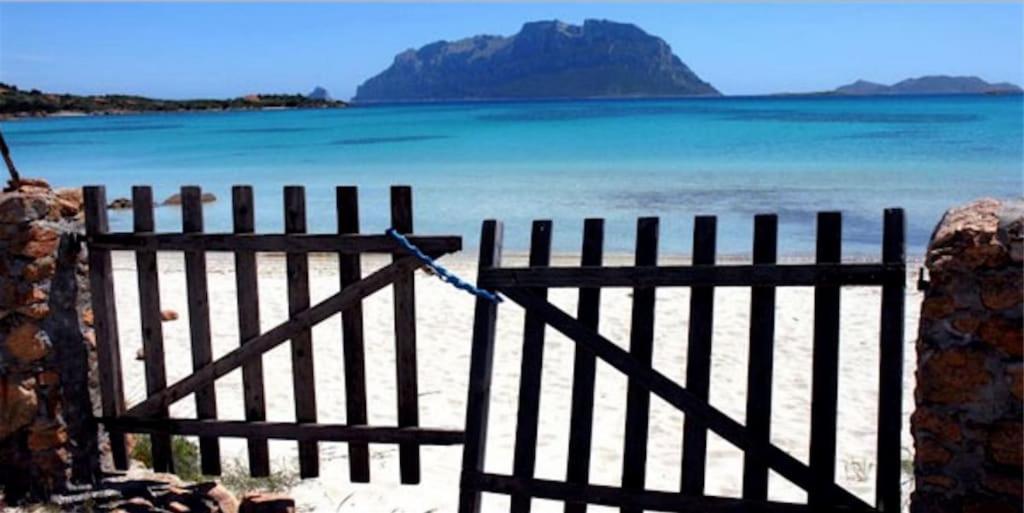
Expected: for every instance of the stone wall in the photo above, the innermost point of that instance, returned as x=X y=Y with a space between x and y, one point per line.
x=968 y=417
x=47 y=435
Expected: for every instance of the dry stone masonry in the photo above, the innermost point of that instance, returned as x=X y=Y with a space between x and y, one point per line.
x=967 y=424
x=45 y=408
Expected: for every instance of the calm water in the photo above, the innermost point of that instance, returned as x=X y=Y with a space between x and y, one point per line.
x=566 y=161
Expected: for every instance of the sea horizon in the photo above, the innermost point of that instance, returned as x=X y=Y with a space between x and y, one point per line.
x=564 y=160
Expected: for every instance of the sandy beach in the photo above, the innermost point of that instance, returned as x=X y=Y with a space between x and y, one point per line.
x=444 y=326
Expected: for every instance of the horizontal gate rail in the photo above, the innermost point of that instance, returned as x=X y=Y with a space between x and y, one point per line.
x=775 y=275
x=270 y=242
x=576 y=494
x=288 y=430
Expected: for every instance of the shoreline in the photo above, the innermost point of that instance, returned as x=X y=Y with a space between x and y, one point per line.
x=65 y=114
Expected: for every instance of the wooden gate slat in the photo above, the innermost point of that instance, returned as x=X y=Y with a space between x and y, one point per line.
x=825 y=364
x=350 y=271
x=890 y=386
x=304 y=384
x=524 y=458
x=641 y=345
x=760 y=362
x=108 y=348
x=723 y=425
x=150 y=321
x=481 y=363
x=698 y=359
x=405 y=341
x=199 y=324
x=270 y=339
x=247 y=297
x=584 y=366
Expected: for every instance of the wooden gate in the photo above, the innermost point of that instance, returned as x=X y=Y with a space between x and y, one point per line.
x=528 y=286
x=151 y=415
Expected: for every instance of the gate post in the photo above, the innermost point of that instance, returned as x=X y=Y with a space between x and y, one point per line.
x=967 y=421
x=47 y=432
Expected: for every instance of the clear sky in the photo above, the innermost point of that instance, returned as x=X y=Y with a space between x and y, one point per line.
x=227 y=50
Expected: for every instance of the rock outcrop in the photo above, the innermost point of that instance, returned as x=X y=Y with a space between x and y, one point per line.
x=546 y=59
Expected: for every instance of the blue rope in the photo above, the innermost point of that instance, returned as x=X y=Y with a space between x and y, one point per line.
x=444 y=274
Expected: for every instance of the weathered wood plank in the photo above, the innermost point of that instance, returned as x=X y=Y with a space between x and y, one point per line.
x=150 y=320
x=890 y=371
x=646 y=499
x=405 y=340
x=641 y=346
x=288 y=431
x=825 y=364
x=532 y=363
x=108 y=348
x=199 y=324
x=271 y=242
x=698 y=359
x=247 y=291
x=303 y=381
x=760 y=362
x=275 y=336
x=723 y=425
x=777 y=275
x=480 y=365
x=350 y=270
x=581 y=418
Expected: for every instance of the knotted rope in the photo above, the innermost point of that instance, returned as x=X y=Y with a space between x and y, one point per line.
x=439 y=270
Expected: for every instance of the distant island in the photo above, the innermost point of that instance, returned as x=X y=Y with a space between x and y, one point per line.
x=546 y=59
x=15 y=103
x=932 y=84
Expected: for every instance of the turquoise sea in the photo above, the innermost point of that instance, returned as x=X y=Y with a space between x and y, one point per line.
x=565 y=160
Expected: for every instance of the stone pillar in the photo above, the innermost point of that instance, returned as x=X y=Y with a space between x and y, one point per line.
x=47 y=435
x=968 y=416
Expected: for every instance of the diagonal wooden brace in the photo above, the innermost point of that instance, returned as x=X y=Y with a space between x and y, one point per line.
x=256 y=346
x=657 y=383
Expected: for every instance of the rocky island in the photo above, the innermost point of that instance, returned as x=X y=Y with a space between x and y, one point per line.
x=15 y=103
x=546 y=59
x=932 y=84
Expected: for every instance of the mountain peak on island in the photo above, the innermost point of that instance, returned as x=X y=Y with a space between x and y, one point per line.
x=930 y=84
x=545 y=59
x=319 y=93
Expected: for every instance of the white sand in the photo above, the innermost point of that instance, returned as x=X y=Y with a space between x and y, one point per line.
x=444 y=326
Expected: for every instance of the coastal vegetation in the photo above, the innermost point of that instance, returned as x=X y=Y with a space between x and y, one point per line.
x=15 y=102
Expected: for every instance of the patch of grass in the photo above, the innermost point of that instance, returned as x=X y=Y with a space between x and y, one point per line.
x=235 y=477
x=184 y=454
x=234 y=474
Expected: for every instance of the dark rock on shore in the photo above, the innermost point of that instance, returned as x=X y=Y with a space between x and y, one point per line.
x=175 y=199
x=120 y=204
x=546 y=59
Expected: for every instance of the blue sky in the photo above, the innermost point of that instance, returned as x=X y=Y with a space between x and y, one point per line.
x=227 y=50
